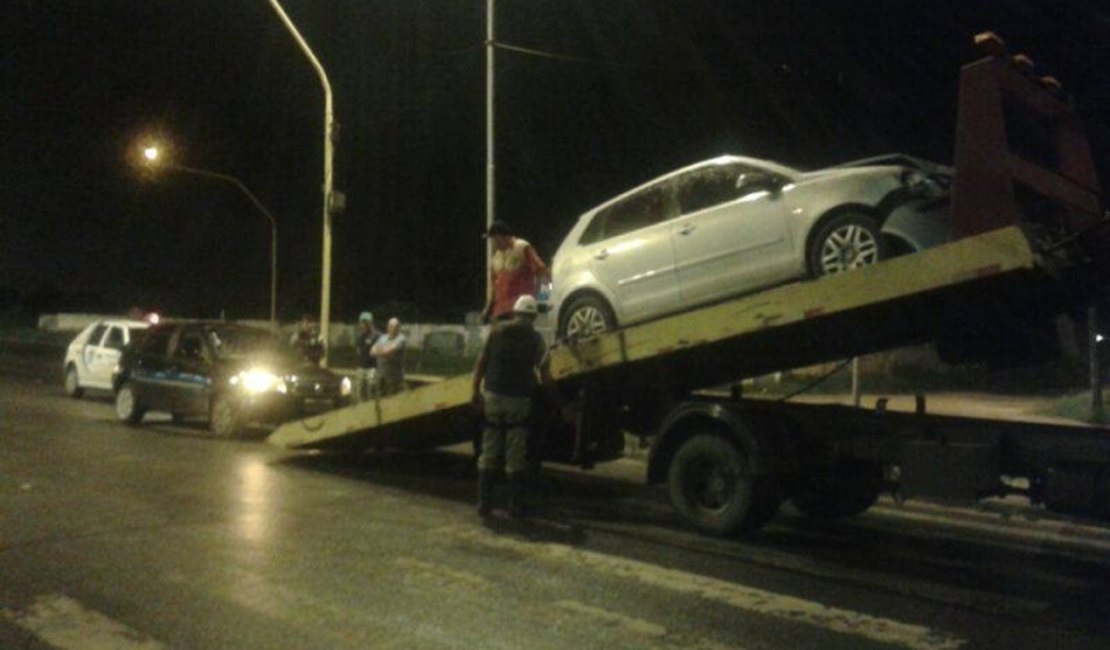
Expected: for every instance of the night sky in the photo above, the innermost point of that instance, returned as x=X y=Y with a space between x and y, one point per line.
x=630 y=89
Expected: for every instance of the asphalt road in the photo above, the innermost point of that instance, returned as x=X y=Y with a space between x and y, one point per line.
x=164 y=537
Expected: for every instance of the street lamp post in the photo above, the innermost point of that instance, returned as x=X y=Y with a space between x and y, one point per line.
x=490 y=166
x=152 y=155
x=329 y=126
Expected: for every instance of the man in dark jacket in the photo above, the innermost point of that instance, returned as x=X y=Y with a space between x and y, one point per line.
x=307 y=341
x=513 y=356
x=367 y=364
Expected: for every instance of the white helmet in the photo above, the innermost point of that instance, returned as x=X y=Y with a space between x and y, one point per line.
x=526 y=305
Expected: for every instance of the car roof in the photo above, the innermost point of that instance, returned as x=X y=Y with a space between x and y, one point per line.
x=719 y=160
x=209 y=324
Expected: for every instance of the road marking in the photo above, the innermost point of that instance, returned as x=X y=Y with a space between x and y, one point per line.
x=66 y=624
x=1065 y=537
x=635 y=626
x=442 y=575
x=924 y=589
x=750 y=599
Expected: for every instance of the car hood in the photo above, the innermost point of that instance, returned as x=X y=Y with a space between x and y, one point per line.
x=849 y=172
x=901 y=160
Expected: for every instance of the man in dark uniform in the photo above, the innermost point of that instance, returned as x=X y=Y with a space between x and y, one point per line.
x=307 y=341
x=513 y=356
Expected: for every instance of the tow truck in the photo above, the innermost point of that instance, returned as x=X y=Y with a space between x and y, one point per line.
x=1029 y=245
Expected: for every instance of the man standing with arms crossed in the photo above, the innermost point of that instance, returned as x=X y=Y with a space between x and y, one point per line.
x=508 y=366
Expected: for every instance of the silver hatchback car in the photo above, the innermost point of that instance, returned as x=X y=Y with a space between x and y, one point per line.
x=734 y=225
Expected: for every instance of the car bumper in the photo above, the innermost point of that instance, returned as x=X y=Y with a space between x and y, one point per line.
x=277 y=408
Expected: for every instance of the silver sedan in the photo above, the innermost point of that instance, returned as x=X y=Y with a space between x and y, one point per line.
x=734 y=225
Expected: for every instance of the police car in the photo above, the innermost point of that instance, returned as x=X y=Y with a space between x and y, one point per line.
x=93 y=354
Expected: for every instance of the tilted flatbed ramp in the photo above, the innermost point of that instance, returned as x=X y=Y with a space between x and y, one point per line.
x=902 y=301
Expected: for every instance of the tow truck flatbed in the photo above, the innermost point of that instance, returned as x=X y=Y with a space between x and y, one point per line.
x=897 y=302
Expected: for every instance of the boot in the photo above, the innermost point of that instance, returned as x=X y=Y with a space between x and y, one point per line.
x=486 y=481
x=517 y=490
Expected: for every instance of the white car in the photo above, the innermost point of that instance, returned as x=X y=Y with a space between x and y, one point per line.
x=92 y=355
x=733 y=225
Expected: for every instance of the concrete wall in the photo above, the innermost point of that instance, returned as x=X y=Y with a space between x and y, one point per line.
x=70 y=322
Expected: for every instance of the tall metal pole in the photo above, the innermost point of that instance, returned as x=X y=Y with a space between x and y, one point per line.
x=329 y=125
x=1098 y=411
x=490 y=166
x=261 y=208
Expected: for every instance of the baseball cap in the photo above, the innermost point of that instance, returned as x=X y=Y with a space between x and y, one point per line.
x=498 y=227
x=526 y=305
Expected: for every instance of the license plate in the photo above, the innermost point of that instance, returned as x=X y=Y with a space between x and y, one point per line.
x=318 y=404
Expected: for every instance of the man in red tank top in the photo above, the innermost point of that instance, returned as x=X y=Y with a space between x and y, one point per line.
x=514 y=267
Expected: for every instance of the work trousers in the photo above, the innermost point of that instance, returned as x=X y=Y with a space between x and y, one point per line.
x=506 y=433
x=365 y=380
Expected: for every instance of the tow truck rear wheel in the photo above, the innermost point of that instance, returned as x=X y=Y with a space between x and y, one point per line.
x=225 y=418
x=843 y=490
x=712 y=484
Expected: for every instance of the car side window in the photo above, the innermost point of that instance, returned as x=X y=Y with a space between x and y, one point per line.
x=156 y=341
x=115 y=339
x=641 y=210
x=709 y=186
x=97 y=334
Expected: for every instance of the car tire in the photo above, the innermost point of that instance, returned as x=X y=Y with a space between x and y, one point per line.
x=711 y=483
x=129 y=409
x=585 y=316
x=73 y=383
x=848 y=241
x=225 y=418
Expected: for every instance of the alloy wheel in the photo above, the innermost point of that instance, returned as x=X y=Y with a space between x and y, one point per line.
x=848 y=247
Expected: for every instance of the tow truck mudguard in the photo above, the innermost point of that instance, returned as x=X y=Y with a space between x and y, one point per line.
x=709 y=415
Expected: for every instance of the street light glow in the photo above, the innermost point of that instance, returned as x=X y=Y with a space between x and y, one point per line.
x=154 y=163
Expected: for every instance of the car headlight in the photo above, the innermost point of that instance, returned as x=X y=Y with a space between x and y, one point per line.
x=916 y=182
x=345 y=386
x=258 y=381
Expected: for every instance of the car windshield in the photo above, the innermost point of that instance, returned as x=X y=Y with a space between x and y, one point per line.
x=235 y=342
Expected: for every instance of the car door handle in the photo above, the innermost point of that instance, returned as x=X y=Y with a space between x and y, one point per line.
x=602 y=254
x=687 y=229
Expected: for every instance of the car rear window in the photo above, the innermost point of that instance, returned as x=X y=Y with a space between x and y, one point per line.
x=156 y=341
